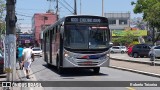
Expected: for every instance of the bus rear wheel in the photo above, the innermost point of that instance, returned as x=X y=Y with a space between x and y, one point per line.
x=48 y=65
x=96 y=70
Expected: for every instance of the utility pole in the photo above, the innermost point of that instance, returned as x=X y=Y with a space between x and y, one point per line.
x=75 y=7
x=102 y=7
x=10 y=42
x=80 y=7
x=57 y=10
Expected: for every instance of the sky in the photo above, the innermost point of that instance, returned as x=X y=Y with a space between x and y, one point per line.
x=25 y=9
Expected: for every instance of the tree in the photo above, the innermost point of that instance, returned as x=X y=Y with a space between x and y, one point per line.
x=125 y=40
x=2 y=14
x=151 y=12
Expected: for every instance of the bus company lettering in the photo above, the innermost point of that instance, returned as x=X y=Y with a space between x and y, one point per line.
x=90 y=20
x=85 y=20
x=26 y=84
x=97 y=20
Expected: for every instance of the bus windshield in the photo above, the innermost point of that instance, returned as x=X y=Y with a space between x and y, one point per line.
x=85 y=36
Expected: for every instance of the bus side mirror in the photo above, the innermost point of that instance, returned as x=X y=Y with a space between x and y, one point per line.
x=110 y=44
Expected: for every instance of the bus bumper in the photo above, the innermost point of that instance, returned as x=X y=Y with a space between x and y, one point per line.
x=72 y=62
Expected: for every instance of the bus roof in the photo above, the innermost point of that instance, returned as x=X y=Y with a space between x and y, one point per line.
x=63 y=19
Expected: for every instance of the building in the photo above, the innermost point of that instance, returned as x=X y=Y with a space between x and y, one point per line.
x=41 y=21
x=118 y=21
x=22 y=39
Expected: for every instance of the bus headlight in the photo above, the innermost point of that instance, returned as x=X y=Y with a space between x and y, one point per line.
x=66 y=55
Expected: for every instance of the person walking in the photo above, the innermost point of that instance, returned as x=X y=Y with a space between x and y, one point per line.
x=17 y=58
x=152 y=58
x=20 y=50
x=28 y=58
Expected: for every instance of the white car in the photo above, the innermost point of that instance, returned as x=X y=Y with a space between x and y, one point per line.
x=155 y=50
x=118 y=49
x=37 y=51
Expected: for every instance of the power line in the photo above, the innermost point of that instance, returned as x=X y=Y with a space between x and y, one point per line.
x=23 y=15
x=28 y=9
x=68 y=4
x=64 y=6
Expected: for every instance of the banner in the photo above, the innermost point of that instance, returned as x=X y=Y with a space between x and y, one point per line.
x=81 y=84
x=134 y=32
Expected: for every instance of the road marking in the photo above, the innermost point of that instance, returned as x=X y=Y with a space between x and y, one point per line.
x=130 y=88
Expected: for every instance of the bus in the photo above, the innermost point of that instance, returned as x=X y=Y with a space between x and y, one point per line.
x=78 y=41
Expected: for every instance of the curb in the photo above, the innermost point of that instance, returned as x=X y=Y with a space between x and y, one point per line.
x=136 y=71
x=134 y=61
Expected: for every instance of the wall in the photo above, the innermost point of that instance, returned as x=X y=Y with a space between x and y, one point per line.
x=39 y=21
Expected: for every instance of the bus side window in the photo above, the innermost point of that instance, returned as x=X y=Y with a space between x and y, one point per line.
x=56 y=31
x=62 y=30
x=51 y=35
x=59 y=27
x=54 y=35
x=47 y=37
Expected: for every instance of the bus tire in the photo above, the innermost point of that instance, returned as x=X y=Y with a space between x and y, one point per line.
x=96 y=70
x=48 y=65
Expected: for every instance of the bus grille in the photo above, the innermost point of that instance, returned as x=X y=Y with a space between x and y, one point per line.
x=87 y=63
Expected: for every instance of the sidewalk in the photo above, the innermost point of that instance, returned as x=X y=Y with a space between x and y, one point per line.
x=16 y=79
x=138 y=65
x=125 y=57
x=20 y=76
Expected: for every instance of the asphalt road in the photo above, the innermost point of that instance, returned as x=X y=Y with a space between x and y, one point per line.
x=44 y=73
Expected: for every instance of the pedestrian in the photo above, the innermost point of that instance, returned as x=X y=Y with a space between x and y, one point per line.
x=17 y=58
x=152 y=58
x=20 y=50
x=28 y=58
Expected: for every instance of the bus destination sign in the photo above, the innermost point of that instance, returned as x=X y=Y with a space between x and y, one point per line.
x=85 y=20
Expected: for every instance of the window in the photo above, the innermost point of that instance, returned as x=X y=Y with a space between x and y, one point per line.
x=158 y=47
x=122 y=22
x=47 y=37
x=112 y=22
x=115 y=47
x=85 y=36
x=139 y=47
x=145 y=47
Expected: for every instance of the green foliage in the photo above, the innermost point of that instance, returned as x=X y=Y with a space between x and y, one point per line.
x=150 y=10
x=2 y=9
x=124 y=40
x=2 y=18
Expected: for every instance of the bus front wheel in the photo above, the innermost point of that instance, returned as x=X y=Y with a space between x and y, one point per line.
x=96 y=70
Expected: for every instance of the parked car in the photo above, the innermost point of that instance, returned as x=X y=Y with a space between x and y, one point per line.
x=37 y=51
x=1 y=62
x=118 y=49
x=155 y=50
x=140 y=50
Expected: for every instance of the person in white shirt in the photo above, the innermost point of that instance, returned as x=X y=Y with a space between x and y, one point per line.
x=28 y=57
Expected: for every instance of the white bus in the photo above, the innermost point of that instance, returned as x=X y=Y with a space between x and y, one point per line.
x=81 y=41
